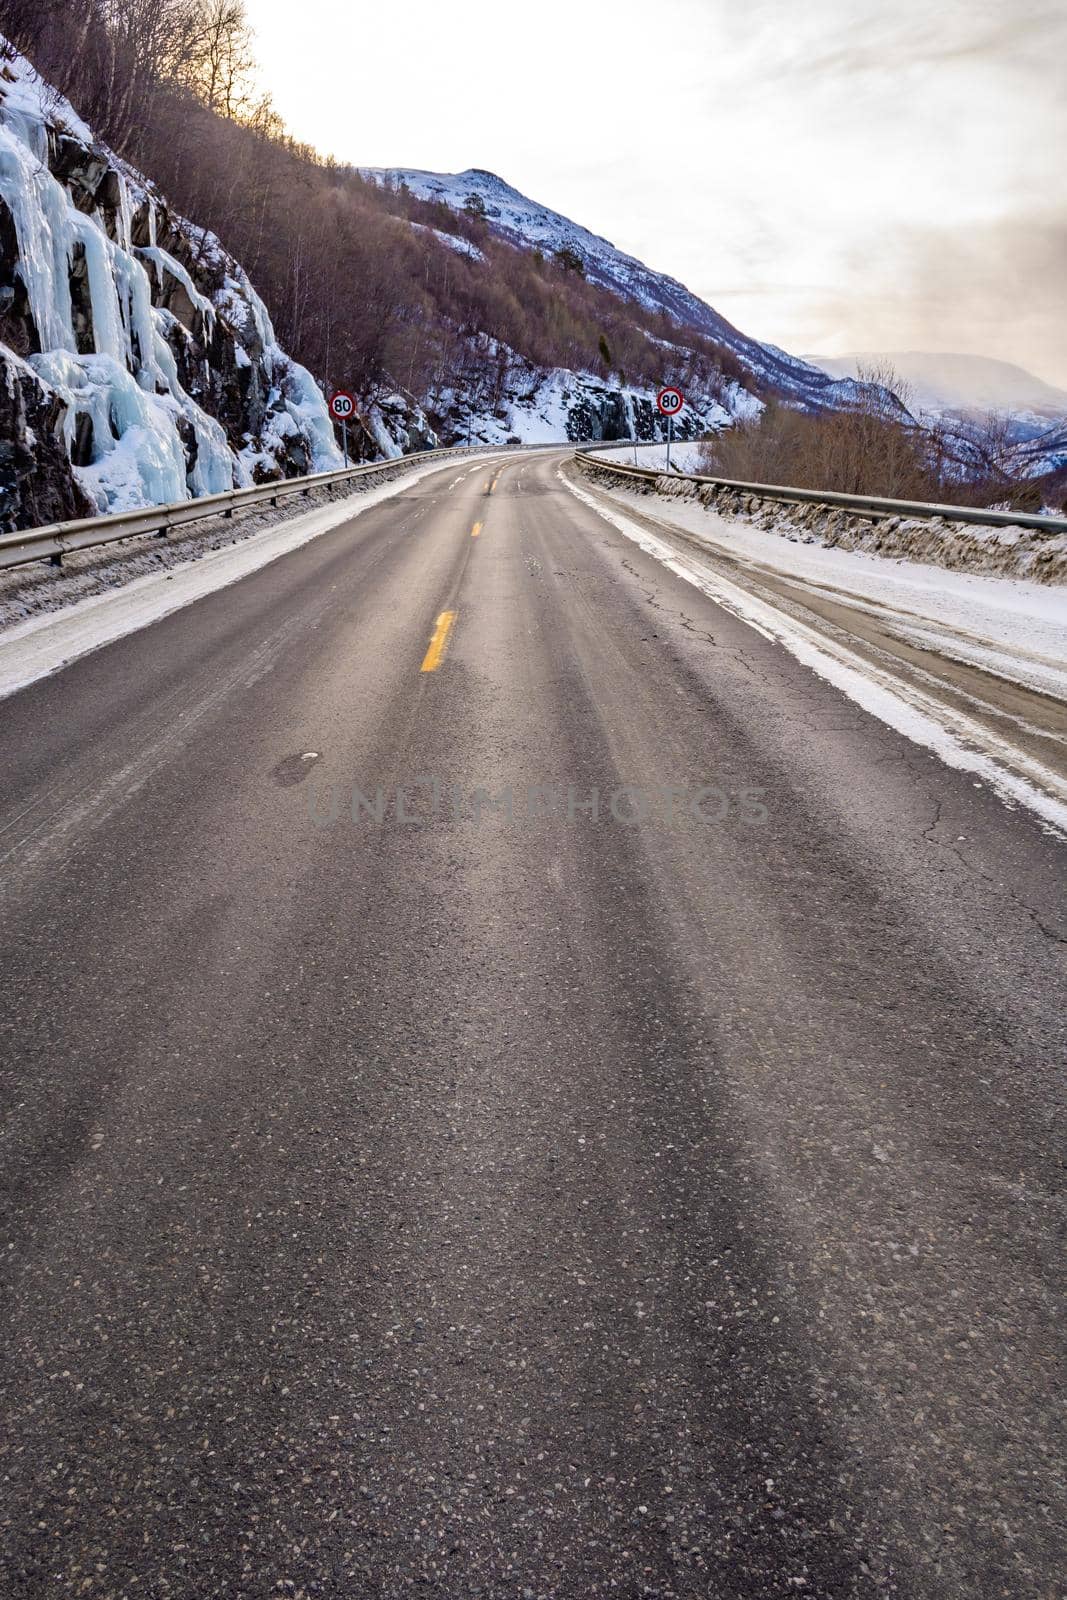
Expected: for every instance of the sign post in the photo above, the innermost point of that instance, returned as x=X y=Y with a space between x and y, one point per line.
x=670 y=402
x=342 y=406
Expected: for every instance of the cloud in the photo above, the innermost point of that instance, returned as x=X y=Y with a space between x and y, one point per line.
x=844 y=38
x=995 y=290
x=998 y=289
x=832 y=174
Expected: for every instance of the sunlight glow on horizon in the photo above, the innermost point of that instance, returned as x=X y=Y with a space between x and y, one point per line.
x=852 y=174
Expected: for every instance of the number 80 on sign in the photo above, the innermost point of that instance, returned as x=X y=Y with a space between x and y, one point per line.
x=670 y=401
x=342 y=406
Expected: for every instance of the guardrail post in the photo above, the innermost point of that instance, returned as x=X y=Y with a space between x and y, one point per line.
x=56 y=558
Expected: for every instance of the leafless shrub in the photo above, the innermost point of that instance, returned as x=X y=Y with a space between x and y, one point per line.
x=877 y=448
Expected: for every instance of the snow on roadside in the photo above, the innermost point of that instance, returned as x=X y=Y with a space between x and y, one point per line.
x=44 y=643
x=1009 y=551
x=1011 y=626
x=685 y=456
x=957 y=739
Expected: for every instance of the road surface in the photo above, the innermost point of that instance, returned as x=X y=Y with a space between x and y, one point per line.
x=430 y=1170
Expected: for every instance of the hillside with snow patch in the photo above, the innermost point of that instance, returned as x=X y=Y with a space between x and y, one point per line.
x=531 y=226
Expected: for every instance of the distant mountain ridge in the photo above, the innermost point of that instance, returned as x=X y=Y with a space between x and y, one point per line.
x=947 y=381
x=530 y=225
x=970 y=393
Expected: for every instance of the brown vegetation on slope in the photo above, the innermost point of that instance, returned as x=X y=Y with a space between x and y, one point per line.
x=357 y=293
x=877 y=449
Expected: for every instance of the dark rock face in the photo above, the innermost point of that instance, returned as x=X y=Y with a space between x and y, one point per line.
x=600 y=414
x=81 y=302
x=80 y=170
x=17 y=329
x=170 y=293
x=605 y=414
x=36 y=483
x=227 y=368
x=409 y=429
x=81 y=452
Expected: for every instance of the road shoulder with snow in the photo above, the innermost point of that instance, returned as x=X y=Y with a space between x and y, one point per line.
x=49 y=639
x=969 y=665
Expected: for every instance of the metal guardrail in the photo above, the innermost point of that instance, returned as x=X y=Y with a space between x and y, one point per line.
x=58 y=539
x=61 y=538
x=870 y=505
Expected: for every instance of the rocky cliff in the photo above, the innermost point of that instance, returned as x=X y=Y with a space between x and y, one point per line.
x=508 y=400
x=137 y=363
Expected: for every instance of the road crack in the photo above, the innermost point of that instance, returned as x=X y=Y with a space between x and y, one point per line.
x=975 y=871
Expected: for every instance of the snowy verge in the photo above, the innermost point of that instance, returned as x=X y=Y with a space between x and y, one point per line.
x=1013 y=627
x=958 y=740
x=1013 y=552
x=43 y=644
x=685 y=455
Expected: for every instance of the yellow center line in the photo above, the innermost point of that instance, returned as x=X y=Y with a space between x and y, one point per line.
x=432 y=659
x=476 y=530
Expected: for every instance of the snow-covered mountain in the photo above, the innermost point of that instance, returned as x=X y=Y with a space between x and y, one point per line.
x=968 y=394
x=529 y=225
x=943 y=381
x=137 y=363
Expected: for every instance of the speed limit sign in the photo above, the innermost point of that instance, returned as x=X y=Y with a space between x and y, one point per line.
x=670 y=401
x=342 y=406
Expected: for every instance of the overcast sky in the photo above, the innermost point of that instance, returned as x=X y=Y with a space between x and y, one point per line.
x=832 y=175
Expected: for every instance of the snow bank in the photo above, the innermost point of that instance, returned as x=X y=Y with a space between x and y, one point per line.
x=1012 y=626
x=685 y=457
x=960 y=740
x=1008 y=552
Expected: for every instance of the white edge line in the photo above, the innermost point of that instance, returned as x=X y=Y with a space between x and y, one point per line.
x=949 y=734
x=44 y=644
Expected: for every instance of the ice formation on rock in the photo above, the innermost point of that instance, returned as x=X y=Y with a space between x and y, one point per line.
x=104 y=343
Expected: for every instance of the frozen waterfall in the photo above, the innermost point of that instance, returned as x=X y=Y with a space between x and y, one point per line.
x=138 y=437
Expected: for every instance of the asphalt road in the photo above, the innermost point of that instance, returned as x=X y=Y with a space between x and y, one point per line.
x=516 y=1188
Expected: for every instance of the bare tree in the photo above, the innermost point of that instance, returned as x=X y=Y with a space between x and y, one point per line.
x=220 y=66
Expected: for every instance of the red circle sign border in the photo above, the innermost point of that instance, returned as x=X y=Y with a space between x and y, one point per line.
x=342 y=394
x=666 y=411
